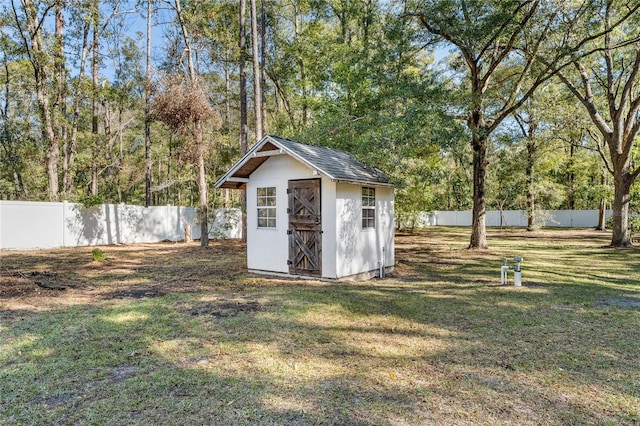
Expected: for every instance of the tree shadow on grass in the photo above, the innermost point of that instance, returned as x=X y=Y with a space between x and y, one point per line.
x=449 y=345
x=530 y=340
x=320 y=354
x=145 y=362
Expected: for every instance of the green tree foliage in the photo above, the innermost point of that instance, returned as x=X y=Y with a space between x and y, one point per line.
x=607 y=84
x=373 y=92
x=358 y=75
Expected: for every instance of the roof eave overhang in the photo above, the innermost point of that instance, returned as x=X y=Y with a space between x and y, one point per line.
x=228 y=180
x=231 y=181
x=363 y=183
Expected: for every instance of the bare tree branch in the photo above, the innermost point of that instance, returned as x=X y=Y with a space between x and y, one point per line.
x=598 y=142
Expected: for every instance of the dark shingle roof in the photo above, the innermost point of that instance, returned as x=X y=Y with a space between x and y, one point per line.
x=336 y=165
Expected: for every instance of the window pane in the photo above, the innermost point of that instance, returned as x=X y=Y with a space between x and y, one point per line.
x=266 y=196
x=368 y=218
x=368 y=207
x=266 y=202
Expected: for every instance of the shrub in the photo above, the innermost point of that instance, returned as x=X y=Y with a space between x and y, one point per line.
x=633 y=225
x=98 y=255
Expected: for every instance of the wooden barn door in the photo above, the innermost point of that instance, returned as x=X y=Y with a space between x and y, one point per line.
x=305 y=227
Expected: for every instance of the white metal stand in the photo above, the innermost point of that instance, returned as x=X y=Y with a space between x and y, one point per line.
x=515 y=267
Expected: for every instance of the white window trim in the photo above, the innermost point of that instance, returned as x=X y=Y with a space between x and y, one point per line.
x=273 y=207
x=371 y=195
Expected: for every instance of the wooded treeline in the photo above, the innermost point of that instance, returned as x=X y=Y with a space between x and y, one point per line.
x=466 y=104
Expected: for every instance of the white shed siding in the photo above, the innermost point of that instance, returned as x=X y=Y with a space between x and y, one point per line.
x=329 y=246
x=360 y=250
x=268 y=249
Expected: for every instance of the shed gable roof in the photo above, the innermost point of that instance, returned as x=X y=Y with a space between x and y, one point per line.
x=338 y=166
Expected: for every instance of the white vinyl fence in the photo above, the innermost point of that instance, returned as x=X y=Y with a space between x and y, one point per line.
x=515 y=218
x=32 y=225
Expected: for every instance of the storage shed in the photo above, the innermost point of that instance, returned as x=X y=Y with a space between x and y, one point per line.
x=314 y=211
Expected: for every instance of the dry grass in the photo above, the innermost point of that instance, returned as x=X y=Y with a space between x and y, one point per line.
x=172 y=334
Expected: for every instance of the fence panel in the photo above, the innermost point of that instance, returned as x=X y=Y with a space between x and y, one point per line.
x=33 y=225
x=25 y=225
x=518 y=218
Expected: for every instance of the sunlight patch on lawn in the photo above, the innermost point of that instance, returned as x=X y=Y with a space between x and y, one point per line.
x=126 y=317
x=10 y=347
x=41 y=353
x=286 y=403
x=394 y=344
x=172 y=349
x=382 y=336
x=286 y=366
x=19 y=306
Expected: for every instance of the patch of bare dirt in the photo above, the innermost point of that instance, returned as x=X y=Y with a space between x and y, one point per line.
x=68 y=275
x=224 y=308
x=620 y=302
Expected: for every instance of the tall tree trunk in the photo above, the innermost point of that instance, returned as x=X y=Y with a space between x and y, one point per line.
x=202 y=185
x=478 y=225
x=227 y=97
x=198 y=133
x=571 y=199
x=257 y=92
x=70 y=153
x=621 y=198
x=602 y=211
x=38 y=57
x=531 y=196
x=147 y=113
x=305 y=94
x=243 y=107
x=94 y=101
x=303 y=73
x=8 y=145
x=479 y=144
x=528 y=126
x=263 y=54
x=53 y=155
x=243 y=77
x=602 y=216
x=60 y=108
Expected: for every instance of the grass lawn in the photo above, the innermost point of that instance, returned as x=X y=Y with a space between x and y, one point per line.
x=175 y=334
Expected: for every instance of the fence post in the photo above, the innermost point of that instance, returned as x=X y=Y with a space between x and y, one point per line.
x=64 y=223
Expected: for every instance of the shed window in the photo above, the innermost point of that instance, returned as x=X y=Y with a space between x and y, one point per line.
x=368 y=207
x=267 y=207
